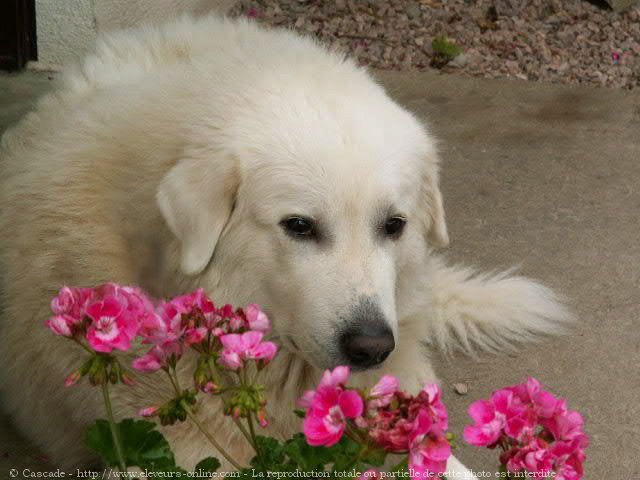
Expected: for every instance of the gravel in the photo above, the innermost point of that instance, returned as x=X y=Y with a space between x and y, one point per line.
x=569 y=41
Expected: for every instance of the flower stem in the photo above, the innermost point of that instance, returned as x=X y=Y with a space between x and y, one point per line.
x=245 y=433
x=114 y=428
x=174 y=382
x=212 y=440
x=213 y=371
x=254 y=439
x=252 y=431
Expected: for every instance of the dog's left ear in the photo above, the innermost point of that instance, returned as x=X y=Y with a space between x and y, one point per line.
x=434 y=222
x=196 y=199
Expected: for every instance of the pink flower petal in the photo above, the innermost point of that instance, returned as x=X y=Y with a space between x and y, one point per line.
x=257 y=319
x=387 y=385
x=266 y=351
x=230 y=359
x=482 y=411
x=351 y=404
x=148 y=411
x=251 y=339
x=337 y=376
x=306 y=399
x=59 y=324
x=148 y=363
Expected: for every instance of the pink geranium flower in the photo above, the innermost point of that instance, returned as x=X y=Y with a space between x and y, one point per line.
x=544 y=403
x=535 y=457
x=148 y=411
x=488 y=426
x=428 y=447
x=71 y=302
x=211 y=314
x=569 y=458
x=68 y=308
x=73 y=378
x=108 y=315
x=390 y=429
x=185 y=303
x=135 y=303
x=504 y=413
x=339 y=376
x=257 y=319
x=535 y=430
x=195 y=335
x=237 y=322
x=64 y=301
x=382 y=392
x=112 y=327
x=432 y=395
x=160 y=356
x=210 y=387
x=566 y=425
x=163 y=327
x=415 y=424
x=327 y=416
x=329 y=407
x=306 y=399
x=61 y=325
x=237 y=348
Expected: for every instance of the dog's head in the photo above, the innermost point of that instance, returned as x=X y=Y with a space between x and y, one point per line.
x=315 y=204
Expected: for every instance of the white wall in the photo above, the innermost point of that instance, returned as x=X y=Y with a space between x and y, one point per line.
x=114 y=14
x=66 y=29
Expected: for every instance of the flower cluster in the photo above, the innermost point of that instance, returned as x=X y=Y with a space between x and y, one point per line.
x=111 y=317
x=535 y=430
x=416 y=424
x=385 y=418
x=329 y=407
x=194 y=321
x=108 y=316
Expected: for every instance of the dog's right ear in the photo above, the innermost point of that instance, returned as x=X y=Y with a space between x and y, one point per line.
x=196 y=199
x=434 y=219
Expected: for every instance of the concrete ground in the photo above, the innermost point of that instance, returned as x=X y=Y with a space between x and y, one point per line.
x=542 y=176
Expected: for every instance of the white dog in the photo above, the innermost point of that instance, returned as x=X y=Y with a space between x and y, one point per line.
x=261 y=167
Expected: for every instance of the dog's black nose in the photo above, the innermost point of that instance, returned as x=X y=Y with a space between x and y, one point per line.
x=368 y=347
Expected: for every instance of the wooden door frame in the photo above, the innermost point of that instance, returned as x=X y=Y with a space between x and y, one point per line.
x=18 y=43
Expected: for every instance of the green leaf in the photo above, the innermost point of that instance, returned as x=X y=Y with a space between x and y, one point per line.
x=306 y=457
x=375 y=457
x=98 y=438
x=271 y=454
x=345 y=455
x=209 y=465
x=400 y=469
x=142 y=445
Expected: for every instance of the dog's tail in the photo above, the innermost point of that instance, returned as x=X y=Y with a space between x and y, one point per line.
x=491 y=312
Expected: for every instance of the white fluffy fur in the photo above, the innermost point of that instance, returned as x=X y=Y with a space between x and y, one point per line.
x=168 y=158
x=491 y=312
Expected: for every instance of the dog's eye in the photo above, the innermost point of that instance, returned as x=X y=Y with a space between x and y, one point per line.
x=394 y=226
x=299 y=227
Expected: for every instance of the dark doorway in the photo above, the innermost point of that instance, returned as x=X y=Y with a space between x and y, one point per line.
x=17 y=33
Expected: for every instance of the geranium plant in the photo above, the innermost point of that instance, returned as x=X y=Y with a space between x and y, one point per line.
x=344 y=429
x=535 y=431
